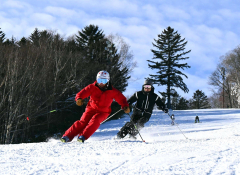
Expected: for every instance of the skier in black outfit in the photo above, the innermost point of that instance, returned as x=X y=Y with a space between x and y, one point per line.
x=197 y=119
x=142 y=111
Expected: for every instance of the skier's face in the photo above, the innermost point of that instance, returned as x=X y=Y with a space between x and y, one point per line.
x=102 y=82
x=147 y=88
x=101 y=85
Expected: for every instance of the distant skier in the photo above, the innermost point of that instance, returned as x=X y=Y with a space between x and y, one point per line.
x=142 y=111
x=101 y=94
x=197 y=119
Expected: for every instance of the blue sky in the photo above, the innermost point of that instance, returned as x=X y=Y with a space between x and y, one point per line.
x=210 y=27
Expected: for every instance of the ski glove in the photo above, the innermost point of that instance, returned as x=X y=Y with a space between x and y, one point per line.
x=165 y=110
x=172 y=117
x=126 y=109
x=79 y=102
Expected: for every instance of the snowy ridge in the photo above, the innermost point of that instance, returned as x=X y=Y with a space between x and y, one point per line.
x=212 y=147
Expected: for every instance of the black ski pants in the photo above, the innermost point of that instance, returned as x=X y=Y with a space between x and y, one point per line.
x=138 y=119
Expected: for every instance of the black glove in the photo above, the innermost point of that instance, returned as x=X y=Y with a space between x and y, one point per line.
x=165 y=110
x=172 y=117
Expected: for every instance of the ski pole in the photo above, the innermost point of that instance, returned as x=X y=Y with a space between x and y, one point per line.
x=137 y=130
x=177 y=126
x=111 y=116
x=55 y=110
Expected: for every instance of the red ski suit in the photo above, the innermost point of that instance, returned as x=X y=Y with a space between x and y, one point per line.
x=97 y=110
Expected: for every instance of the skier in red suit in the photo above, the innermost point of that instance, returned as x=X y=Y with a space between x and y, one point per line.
x=101 y=94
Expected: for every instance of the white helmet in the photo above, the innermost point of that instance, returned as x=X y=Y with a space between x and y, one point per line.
x=103 y=74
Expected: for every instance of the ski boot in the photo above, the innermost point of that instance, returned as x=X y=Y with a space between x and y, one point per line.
x=81 y=139
x=65 y=139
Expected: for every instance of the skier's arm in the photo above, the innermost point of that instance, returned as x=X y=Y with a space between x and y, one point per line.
x=133 y=98
x=160 y=104
x=121 y=99
x=85 y=92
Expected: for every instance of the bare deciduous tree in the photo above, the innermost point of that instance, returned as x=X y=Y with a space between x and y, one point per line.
x=226 y=78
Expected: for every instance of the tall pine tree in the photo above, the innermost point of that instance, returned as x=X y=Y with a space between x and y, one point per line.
x=101 y=54
x=167 y=56
x=35 y=37
x=92 y=44
x=200 y=100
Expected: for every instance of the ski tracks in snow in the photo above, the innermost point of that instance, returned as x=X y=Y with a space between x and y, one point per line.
x=209 y=156
x=128 y=163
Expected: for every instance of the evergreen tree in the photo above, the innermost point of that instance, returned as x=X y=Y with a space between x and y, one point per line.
x=10 y=42
x=200 y=100
x=71 y=44
x=119 y=77
x=91 y=43
x=183 y=104
x=35 y=37
x=2 y=36
x=101 y=54
x=170 y=51
x=22 y=42
x=119 y=74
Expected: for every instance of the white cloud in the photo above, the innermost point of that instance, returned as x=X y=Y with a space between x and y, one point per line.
x=14 y=4
x=43 y=18
x=231 y=40
x=215 y=19
x=229 y=14
x=107 y=25
x=120 y=7
x=61 y=12
x=151 y=13
x=172 y=12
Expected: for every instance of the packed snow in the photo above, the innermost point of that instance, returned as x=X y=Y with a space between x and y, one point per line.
x=209 y=147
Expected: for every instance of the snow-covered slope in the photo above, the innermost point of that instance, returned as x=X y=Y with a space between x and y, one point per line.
x=212 y=147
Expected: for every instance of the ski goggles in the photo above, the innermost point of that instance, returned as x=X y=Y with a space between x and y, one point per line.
x=147 y=86
x=102 y=80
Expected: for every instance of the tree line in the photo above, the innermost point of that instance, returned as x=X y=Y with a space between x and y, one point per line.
x=41 y=74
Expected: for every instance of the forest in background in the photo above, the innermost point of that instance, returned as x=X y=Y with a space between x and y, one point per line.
x=41 y=74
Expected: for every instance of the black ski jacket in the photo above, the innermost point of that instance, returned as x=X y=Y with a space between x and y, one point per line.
x=145 y=102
